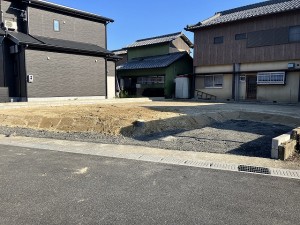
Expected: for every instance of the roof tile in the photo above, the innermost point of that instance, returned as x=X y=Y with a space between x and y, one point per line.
x=250 y=11
x=45 y=42
x=152 y=62
x=159 y=40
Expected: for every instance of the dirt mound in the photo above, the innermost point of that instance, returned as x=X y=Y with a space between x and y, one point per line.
x=116 y=119
x=105 y=119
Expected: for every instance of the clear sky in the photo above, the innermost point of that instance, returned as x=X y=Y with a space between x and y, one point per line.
x=138 y=19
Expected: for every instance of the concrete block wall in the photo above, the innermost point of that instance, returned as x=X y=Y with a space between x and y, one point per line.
x=286 y=150
x=296 y=136
x=276 y=142
x=286 y=145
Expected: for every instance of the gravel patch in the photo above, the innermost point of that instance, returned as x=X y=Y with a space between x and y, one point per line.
x=238 y=137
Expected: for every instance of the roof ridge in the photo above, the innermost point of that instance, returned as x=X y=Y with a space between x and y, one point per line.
x=249 y=11
x=46 y=3
x=252 y=6
x=162 y=36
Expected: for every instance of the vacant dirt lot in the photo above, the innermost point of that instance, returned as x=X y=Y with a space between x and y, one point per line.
x=119 y=118
x=244 y=129
x=105 y=119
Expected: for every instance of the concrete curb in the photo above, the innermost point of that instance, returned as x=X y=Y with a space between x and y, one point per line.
x=191 y=159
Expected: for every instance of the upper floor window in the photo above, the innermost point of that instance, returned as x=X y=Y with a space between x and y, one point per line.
x=241 y=36
x=56 y=25
x=294 y=34
x=218 y=40
x=213 y=81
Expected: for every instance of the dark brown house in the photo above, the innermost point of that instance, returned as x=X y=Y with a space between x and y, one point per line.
x=250 y=53
x=51 y=51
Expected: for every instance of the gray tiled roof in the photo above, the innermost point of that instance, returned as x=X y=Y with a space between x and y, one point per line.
x=44 y=42
x=120 y=51
x=23 y=38
x=72 y=45
x=160 y=39
x=152 y=62
x=249 y=11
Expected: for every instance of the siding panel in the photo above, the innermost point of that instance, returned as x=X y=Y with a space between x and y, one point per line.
x=64 y=75
x=206 y=53
x=71 y=28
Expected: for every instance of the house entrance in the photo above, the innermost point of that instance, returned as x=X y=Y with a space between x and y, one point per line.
x=251 y=83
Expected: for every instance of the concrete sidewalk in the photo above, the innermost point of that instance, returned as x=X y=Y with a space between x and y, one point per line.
x=194 y=159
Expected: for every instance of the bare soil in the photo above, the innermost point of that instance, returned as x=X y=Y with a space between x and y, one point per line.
x=104 y=119
x=242 y=129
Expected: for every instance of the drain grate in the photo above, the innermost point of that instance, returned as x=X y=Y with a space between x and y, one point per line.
x=253 y=169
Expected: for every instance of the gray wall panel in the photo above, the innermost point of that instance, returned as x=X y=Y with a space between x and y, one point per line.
x=111 y=69
x=4 y=94
x=64 y=75
x=71 y=28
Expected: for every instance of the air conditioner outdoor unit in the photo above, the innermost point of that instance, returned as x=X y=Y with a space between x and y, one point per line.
x=10 y=25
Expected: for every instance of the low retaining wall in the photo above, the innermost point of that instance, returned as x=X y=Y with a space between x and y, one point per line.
x=284 y=146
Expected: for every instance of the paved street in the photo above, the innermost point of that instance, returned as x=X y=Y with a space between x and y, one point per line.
x=49 y=187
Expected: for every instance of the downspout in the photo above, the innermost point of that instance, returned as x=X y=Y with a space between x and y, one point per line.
x=193 y=81
x=2 y=66
x=106 y=74
x=1 y=16
x=299 y=91
x=106 y=67
x=235 y=81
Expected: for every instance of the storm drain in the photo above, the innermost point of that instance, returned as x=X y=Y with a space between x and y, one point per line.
x=253 y=169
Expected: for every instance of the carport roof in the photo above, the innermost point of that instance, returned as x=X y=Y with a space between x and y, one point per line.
x=56 y=44
x=152 y=62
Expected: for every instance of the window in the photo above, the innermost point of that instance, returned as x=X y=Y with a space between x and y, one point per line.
x=151 y=80
x=241 y=36
x=277 y=36
x=213 y=81
x=218 y=40
x=271 y=78
x=56 y=25
x=294 y=34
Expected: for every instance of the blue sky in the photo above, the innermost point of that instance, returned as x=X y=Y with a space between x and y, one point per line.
x=137 y=19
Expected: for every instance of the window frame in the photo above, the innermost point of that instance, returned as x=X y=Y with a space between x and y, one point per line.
x=218 y=40
x=294 y=41
x=55 y=24
x=215 y=85
x=269 y=78
x=150 y=80
x=240 y=36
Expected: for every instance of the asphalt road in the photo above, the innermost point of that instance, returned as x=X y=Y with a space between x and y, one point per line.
x=48 y=187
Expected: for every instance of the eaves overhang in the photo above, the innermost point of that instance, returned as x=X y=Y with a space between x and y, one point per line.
x=68 y=10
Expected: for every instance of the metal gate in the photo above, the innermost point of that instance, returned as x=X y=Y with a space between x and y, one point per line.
x=251 y=83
